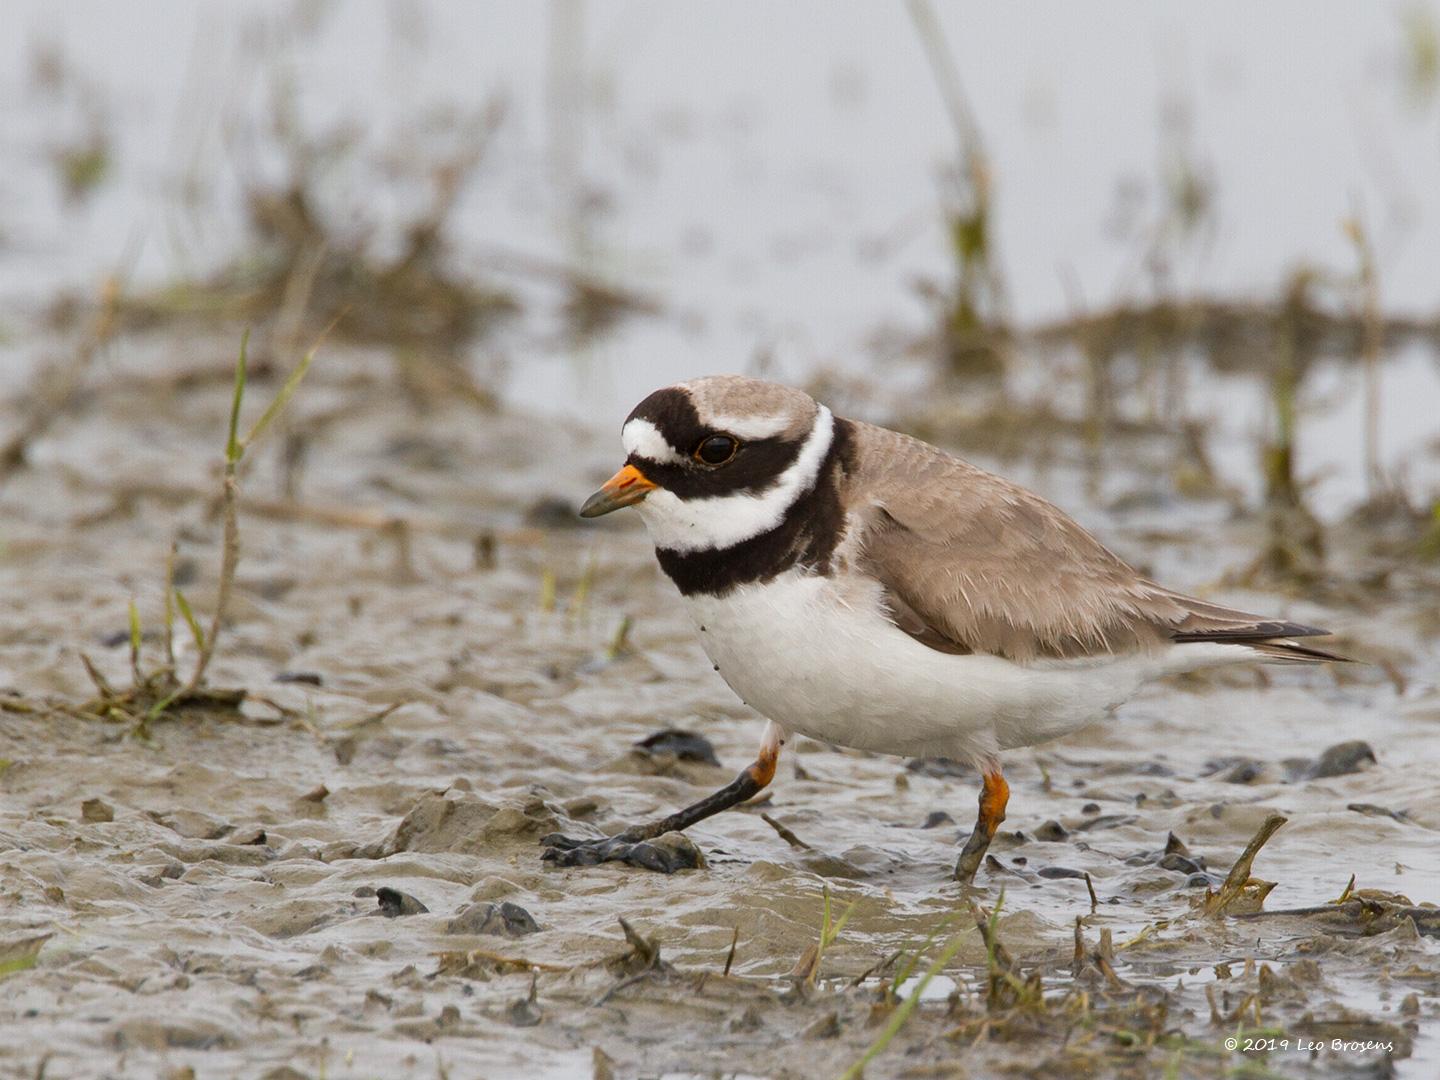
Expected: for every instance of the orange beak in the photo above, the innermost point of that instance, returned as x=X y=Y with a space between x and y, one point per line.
x=625 y=488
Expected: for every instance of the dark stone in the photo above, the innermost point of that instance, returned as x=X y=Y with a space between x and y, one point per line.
x=1060 y=872
x=1180 y=864
x=1371 y=810
x=1343 y=759
x=1051 y=832
x=307 y=678
x=1245 y=772
x=394 y=903
x=684 y=745
x=1090 y=808
x=936 y=818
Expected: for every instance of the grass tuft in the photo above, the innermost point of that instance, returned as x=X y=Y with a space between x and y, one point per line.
x=152 y=693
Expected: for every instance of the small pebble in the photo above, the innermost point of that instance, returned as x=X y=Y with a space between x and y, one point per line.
x=685 y=745
x=1246 y=772
x=1051 y=832
x=1180 y=864
x=1342 y=759
x=394 y=903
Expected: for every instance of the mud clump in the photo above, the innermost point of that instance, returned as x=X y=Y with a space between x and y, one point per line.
x=469 y=825
x=503 y=920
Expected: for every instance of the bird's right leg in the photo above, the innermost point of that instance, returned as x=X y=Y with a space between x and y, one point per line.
x=993 y=796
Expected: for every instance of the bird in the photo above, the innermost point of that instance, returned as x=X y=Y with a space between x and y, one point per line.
x=861 y=587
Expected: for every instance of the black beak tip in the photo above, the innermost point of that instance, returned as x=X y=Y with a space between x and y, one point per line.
x=595 y=505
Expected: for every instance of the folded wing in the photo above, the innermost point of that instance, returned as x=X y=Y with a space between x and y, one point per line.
x=973 y=563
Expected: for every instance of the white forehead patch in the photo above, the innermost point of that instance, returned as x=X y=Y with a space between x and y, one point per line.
x=723 y=521
x=643 y=439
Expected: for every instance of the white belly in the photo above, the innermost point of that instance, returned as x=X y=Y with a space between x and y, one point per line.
x=832 y=667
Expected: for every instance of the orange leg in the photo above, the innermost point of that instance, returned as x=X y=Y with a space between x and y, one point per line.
x=993 y=796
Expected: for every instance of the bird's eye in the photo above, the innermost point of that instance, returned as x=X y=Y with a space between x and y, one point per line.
x=716 y=450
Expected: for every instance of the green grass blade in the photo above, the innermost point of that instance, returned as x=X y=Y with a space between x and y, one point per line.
x=903 y=975
x=233 y=447
x=135 y=634
x=286 y=392
x=190 y=620
x=153 y=713
x=902 y=1013
x=621 y=640
x=21 y=955
x=840 y=923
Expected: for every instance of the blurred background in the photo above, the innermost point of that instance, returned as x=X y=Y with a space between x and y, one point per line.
x=1127 y=216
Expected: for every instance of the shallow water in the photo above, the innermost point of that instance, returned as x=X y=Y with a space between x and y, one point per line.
x=780 y=193
x=179 y=940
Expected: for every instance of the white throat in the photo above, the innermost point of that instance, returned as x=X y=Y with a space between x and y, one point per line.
x=723 y=521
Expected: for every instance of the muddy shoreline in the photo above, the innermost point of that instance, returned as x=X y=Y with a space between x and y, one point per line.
x=423 y=704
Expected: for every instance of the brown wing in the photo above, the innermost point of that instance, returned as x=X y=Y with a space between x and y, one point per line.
x=973 y=563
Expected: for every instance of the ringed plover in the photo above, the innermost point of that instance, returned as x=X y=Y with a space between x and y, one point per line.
x=866 y=589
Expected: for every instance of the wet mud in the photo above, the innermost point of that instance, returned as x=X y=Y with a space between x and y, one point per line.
x=343 y=875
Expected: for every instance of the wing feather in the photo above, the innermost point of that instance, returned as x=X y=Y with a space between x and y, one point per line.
x=971 y=562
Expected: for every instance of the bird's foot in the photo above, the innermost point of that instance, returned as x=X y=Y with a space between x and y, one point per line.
x=663 y=854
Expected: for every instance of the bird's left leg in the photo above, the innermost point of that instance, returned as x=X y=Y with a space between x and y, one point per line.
x=993 y=796
x=631 y=845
